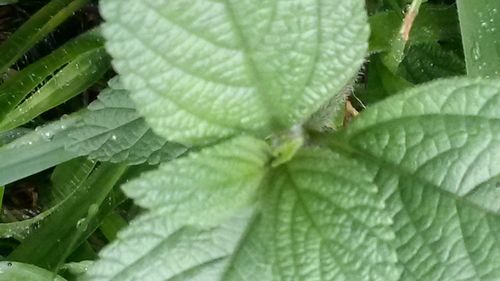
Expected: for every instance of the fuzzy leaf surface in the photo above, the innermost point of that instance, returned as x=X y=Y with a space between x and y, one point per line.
x=436 y=153
x=187 y=198
x=327 y=221
x=204 y=70
x=314 y=225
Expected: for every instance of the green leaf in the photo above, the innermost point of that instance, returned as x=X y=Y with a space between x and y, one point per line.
x=436 y=153
x=434 y=23
x=480 y=25
x=157 y=249
x=111 y=130
x=204 y=70
x=313 y=224
x=200 y=190
x=428 y=62
x=328 y=224
x=111 y=225
x=82 y=134
x=67 y=177
x=15 y=271
x=381 y=82
x=211 y=182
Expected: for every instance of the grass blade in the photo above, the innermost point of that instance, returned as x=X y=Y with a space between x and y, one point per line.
x=480 y=24
x=20 y=85
x=74 y=78
x=65 y=182
x=36 y=151
x=38 y=26
x=14 y=271
x=55 y=237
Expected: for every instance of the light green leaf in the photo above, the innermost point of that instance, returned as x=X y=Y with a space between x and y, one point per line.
x=312 y=224
x=15 y=271
x=328 y=222
x=200 y=190
x=436 y=152
x=211 y=182
x=111 y=130
x=155 y=248
x=204 y=70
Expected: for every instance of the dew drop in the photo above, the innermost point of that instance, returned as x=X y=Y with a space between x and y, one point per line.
x=476 y=51
x=81 y=225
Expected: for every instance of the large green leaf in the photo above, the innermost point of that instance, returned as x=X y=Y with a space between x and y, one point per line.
x=155 y=248
x=111 y=130
x=327 y=223
x=436 y=152
x=200 y=190
x=211 y=182
x=433 y=152
x=312 y=224
x=204 y=70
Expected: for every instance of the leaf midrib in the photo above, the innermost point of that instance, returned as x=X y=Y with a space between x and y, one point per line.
x=266 y=102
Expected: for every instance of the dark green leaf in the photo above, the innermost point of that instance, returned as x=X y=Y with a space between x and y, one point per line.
x=111 y=130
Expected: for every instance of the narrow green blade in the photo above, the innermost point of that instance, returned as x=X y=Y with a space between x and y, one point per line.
x=480 y=23
x=38 y=26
